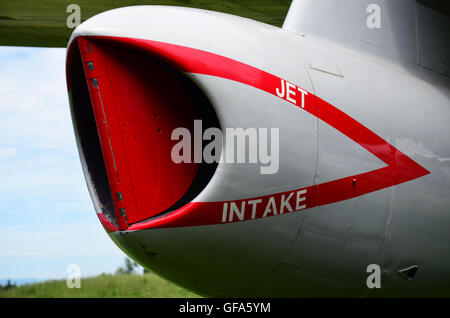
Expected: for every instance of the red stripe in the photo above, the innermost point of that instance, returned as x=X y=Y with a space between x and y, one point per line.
x=400 y=167
x=109 y=227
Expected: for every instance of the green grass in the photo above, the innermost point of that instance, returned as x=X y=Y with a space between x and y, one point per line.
x=103 y=286
x=43 y=22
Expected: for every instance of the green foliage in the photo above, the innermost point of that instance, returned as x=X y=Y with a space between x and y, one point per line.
x=103 y=286
x=129 y=268
x=7 y=286
x=43 y=22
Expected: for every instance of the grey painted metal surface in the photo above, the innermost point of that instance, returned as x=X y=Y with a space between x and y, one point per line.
x=325 y=250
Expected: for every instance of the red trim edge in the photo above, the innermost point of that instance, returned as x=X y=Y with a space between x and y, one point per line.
x=400 y=168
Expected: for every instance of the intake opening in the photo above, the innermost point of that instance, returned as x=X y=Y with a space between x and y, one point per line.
x=86 y=134
x=125 y=104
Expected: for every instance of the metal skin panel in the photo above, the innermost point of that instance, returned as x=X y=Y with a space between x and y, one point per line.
x=237 y=38
x=238 y=105
x=387 y=227
x=418 y=226
x=409 y=34
x=351 y=231
x=363 y=122
x=394 y=41
x=215 y=260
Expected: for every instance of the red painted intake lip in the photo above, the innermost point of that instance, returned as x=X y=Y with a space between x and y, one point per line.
x=137 y=102
x=400 y=168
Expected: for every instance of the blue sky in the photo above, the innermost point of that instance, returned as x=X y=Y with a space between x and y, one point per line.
x=48 y=220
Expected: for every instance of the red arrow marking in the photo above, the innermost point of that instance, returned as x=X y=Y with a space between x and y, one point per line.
x=400 y=168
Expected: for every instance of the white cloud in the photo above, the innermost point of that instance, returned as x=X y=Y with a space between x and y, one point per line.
x=37 y=146
x=56 y=240
x=47 y=217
